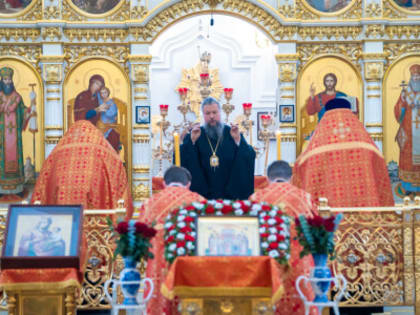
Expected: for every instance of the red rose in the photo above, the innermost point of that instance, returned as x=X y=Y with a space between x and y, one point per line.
x=219 y=200
x=189 y=208
x=189 y=238
x=209 y=209
x=273 y=245
x=180 y=244
x=227 y=209
x=203 y=202
x=280 y=238
x=264 y=234
x=140 y=227
x=186 y=229
x=266 y=217
x=122 y=227
x=265 y=225
x=188 y=219
x=245 y=208
x=266 y=208
x=279 y=220
x=329 y=224
x=170 y=238
x=150 y=232
x=171 y=228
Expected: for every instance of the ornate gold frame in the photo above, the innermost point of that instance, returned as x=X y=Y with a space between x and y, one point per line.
x=401 y=9
x=329 y=14
x=22 y=12
x=94 y=16
x=129 y=103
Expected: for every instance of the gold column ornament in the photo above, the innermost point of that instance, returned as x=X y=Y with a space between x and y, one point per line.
x=287 y=72
x=374 y=71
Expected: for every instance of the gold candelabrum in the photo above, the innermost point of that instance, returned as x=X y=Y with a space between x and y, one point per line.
x=163 y=152
x=184 y=108
x=247 y=123
x=265 y=134
x=228 y=107
x=205 y=84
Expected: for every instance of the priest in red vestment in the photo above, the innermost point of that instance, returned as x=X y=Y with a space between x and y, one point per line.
x=84 y=169
x=176 y=193
x=342 y=163
x=407 y=113
x=295 y=202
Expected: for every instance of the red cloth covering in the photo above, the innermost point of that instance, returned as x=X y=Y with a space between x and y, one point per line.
x=224 y=276
x=259 y=183
x=343 y=164
x=83 y=169
x=155 y=209
x=295 y=202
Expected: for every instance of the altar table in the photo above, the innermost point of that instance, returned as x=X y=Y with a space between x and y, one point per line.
x=221 y=285
x=49 y=291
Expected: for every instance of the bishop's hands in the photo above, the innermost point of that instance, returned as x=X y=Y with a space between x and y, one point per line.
x=235 y=133
x=195 y=132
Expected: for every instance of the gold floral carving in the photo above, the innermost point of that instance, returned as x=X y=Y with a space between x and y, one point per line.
x=374 y=71
x=373 y=56
x=391 y=12
x=374 y=30
x=51 y=13
x=52 y=139
x=34 y=14
x=141 y=192
x=330 y=32
x=287 y=72
x=51 y=33
x=74 y=53
x=396 y=49
x=287 y=10
x=30 y=53
x=306 y=12
x=351 y=51
x=138 y=12
x=141 y=138
x=17 y=33
x=140 y=58
x=212 y=3
x=52 y=72
x=140 y=73
x=373 y=10
x=69 y=14
x=95 y=33
x=399 y=31
x=286 y=57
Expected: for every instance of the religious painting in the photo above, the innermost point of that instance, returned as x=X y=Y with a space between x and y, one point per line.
x=328 y=6
x=35 y=231
x=95 y=6
x=286 y=113
x=411 y=5
x=227 y=236
x=21 y=131
x=98 y=90
x=321 y=80
x=142 y=114
x=260 y=125
x=12 y=7
x=402 y=126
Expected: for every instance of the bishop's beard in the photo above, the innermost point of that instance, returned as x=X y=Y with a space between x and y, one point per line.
x=214 y=132
x=415 y=85
x=7 y=88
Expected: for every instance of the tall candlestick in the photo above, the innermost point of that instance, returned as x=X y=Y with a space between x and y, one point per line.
x=278 y=138
x=176 y=148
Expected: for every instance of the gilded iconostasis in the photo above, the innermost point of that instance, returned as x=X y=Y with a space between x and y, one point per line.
x=279 y=58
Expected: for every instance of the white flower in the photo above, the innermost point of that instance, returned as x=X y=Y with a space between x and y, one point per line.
x=275 y=208
x=226 y=201
x=236 y=205
x=272 y=213
x=180 y=224
x=190 y=245
x=180 y=236
x=172 y=247
x=219 y=213
x=256 y=207
x=172 y=232
x=263 y=214
x=285 y=233
x=183 y=211
x=271 y=221
x=219 y=205
x=272 y=230
x=181 y=218
x=272 y=238
x=272 y=253
x=180 y=251
x=212 y=202
x=262 y=221
x=193 y=234
x=192 y=214
x=198 y=205
x=192 y=225
x=247 y=202
x=282 y=246
x=168 y=216
x=264 y=244
x=239 y=212
x=287 y=256
x=262 y=229
x=253 y=212
x=168 y=225
x=170 y=255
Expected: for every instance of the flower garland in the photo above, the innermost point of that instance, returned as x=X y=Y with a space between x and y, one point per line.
x=180 y=226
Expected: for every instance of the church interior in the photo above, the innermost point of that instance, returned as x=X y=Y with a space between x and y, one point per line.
x=139 y=70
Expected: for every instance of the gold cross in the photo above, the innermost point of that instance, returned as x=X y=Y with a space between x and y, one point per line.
x=417 y=121
x=10 y=127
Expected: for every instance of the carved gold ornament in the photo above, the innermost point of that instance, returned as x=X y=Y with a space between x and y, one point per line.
x=375 y=30
x=140 y=73
x=141 y=192
x=287 y=72
x=120 y=12
x=96 y=34
x=17 y=33
x=373 y=9
x=319 y=32
x=51 y=12
x=304 y=11
x=52 y=72
x=51 y=33
x=374 y=71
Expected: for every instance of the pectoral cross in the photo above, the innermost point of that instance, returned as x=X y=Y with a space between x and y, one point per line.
x=417 y=122
x=10 y=127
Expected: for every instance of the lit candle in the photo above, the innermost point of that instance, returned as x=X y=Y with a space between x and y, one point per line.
x=176 y=148
x=278 y=138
